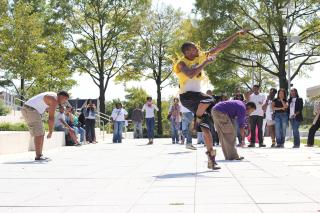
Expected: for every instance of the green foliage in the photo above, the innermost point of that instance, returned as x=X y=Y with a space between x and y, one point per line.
x=102 y=34
x=264 y=49
x=135 y=97
x=3 y=109
x=13 y=127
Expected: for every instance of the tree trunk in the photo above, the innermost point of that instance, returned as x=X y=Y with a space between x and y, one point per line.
x=102 y=99
x=159 y=113
x=22 y=81
x=283 y=81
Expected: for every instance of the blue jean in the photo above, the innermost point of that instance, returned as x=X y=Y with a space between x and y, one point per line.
x=281 y=120
x=175 y=127
x=186 y=121
x=117 y=131
x=150 y=127
x=295 y=129
x=80 y=131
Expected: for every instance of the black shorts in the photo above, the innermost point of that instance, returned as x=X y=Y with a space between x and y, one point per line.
x=191 y=101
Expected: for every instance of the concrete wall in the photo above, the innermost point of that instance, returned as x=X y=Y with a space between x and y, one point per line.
x=21 y=141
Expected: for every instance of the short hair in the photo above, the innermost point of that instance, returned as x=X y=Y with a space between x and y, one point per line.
x=257 y=86
x=251 y=105
x=149 y=98
x=274 y=90
x=63 y=93
x=186 y=46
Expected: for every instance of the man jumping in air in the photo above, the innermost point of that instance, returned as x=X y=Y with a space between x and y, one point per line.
x=189 y=71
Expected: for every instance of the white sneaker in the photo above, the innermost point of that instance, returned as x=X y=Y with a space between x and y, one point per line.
x=190 y=146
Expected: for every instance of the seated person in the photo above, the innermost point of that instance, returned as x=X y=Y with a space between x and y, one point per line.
x=61 y=125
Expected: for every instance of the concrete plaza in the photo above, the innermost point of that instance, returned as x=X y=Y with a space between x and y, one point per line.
x=135 y=178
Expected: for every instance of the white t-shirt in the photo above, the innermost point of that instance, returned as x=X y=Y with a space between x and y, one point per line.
x=37 y=102
x=193 y=85
x=292 y=107
x=258 y=100
x=58 y=118
x=149 y=110
x=269 y=111
x=119 y=114
x=183 y=109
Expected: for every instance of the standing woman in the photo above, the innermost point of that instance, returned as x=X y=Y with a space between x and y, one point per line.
x=118 y=117
x=90 y=122
x=149 y=107
x=295 y=115
x=280 y=107
x=175 y=119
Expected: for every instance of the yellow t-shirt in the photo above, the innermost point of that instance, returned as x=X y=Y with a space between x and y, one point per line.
x=186 y=83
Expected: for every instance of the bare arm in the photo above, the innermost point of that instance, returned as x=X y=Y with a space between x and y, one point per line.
x=226 y=43
x=192 y=72
x=52 y=103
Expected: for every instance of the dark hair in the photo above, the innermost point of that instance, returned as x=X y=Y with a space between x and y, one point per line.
x=119 y=104
x=176 y=99
x=294 y=89
x=186 y=46
x=63 y=93
x=149 y=98
x=274 y=90
x=256 y=85
x=284 y=91
x=251 y=105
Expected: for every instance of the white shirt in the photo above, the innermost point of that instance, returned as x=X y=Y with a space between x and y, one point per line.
x=37 y=102
x=269 y=111
x=258 y=100
x=119 y=114
x=292 y=107
x=149 y=110
x=193 y=85
x=183 y=109
x=57 y=121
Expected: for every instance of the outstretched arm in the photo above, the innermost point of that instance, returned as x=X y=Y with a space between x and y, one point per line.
x=192 y=72
x=226 y=43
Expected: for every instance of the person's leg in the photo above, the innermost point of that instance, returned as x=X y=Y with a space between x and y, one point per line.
x=115 y=132
x=73 y=136
x=81 y=132
x=38 y=144
x=312 y=132
x=272 y=132
x=278 y=129
x=253 y=124
x=135 y=128
x=173 y=137
x=284 y=126
x=295 y=130
x=148 y=124
x=202 y=107
x=121 y=125
x=93 y=127
x=260 y=131
x=87 y=128
x=189 y=118
x=152 y=128
x=238 y=133
x=177 y=128
x=139 y=129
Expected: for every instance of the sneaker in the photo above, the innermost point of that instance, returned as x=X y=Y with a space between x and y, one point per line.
x=190 y=146
x=42 y=158
x=150 y=142
x=212 y=164
x=308 y=145
x=296 y=147
x=262 y=145
x=280 y=146
x=252 y=146
x=273 y=145
x=239 y=158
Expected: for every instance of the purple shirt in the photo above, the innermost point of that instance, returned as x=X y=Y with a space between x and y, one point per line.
x=234 y=109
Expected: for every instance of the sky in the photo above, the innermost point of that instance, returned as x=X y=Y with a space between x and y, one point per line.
x=87 y=89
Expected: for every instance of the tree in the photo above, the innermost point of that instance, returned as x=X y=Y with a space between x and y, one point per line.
x=152 y=58
x=135 y=97
x=102 y=32
x=265 y=47
x=33 y=48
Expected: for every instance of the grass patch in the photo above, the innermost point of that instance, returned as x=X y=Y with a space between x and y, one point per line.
x=316 y=141
x=13 y=127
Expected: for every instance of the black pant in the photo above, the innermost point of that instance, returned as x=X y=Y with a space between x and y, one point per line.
x=312 y=131
x=256 y=120
x=90 y=130
x=214 y=134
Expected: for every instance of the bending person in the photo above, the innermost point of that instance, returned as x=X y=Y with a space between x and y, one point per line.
x=189 y=71
x=225 y=114
x=32 y=112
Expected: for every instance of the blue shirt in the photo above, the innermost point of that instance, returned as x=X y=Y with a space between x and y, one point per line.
x=234 y=109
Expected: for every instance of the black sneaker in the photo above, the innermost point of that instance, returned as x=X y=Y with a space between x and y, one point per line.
x=239 y=158
x=42 y=158
x=252 y=146
x=273 y=145
x=262 y=145
x=280 y=146
x=296 y=147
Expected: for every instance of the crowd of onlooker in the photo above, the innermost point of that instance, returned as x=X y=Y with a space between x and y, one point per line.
x=274 y=113
x=79 y=126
